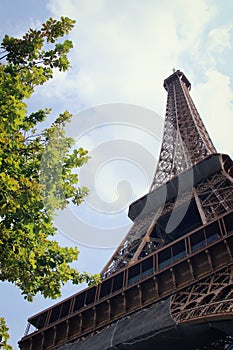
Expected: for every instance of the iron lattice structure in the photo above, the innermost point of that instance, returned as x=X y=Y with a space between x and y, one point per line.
x=186 y=142
x=170 y=282
x=185 y=139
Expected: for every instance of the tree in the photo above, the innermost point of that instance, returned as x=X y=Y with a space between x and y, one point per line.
x=35 y=166
x=4 y=336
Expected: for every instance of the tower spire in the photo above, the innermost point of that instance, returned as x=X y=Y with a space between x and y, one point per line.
x=185 y=139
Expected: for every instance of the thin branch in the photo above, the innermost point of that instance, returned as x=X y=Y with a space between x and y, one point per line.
x=2 y=57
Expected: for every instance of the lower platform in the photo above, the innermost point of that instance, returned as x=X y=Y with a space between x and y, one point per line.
x=154 y=328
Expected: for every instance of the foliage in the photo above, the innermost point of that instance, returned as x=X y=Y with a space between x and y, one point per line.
x=4 y=335
x=35 y=167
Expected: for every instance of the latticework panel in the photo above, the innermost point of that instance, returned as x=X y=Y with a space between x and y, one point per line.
x=216 y=195
x=210 y=297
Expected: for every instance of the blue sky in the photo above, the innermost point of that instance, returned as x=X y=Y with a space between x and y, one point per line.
x=123 y=50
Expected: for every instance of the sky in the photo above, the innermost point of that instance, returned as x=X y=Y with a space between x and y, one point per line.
x=123 y=50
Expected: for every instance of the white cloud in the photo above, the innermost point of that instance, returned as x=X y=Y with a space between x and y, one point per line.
x=124 y=50
x=215 y=99
x=220 y=39
x=191 y=18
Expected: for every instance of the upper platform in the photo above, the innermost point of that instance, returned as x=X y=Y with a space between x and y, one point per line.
x=174 y=76
x=180 y=184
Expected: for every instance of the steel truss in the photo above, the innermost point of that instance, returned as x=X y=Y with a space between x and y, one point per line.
x=216 y=195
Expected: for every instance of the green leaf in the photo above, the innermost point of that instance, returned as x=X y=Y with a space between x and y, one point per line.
x=36 y=166
x=4 y=336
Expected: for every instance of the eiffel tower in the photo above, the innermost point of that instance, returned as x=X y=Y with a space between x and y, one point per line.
x=170 y=282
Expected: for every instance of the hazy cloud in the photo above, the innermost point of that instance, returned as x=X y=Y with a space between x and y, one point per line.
x=220 y=39
x=124 y=50
x=215 y=97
